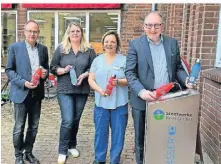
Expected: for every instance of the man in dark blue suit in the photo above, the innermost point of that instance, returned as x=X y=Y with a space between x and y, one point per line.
x=153 y=60
x=24 y=58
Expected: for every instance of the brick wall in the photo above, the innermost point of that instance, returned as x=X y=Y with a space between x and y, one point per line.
x=22 y=18
x=211 y=114
x=132 y=18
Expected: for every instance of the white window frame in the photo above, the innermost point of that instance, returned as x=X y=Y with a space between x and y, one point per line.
x=218 y=46
x=87 y=12
x=16 y=22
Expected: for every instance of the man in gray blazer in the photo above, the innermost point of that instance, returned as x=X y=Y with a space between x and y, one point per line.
x=24 y=58
x=153 y=60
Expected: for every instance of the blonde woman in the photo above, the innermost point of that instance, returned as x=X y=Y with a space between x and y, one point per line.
x=73 y=52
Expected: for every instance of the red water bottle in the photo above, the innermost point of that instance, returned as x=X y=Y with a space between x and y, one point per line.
x=110 y=85
x=163 y=89
x=53 y=80
x=36 y=76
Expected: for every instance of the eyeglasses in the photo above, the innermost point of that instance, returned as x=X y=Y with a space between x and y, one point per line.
x=149 y=26
x=32 y=32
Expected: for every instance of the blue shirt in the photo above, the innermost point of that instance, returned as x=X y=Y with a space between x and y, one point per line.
x=103 y=72
x=159 y=63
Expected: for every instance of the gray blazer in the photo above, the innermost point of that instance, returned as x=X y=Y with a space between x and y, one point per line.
x=18 y=70
x=139 y=67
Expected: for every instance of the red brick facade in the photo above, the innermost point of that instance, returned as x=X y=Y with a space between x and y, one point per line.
x=132 y=18
x=195 y=26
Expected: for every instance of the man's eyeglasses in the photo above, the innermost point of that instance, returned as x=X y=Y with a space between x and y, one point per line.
x=149 y=26
x=32 y=32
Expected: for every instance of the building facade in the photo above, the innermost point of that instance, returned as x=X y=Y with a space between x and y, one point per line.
x=197 y=27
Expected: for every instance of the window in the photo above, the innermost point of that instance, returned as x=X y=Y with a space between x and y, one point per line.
x=8 y=30
x=100 y=23
x=218 y=47
x=47 y=32
x=65 y=18
x=94 y=22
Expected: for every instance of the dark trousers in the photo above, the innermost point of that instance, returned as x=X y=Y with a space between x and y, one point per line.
x=71 y=106
x=31 y=107
x=139 y=127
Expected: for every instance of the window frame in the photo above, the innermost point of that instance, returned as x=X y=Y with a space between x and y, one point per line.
x=218 y=46
x=16 y=27
x=16 y=22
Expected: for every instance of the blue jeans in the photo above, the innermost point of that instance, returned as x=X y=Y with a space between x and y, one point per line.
x=31 y=107
x=71 y=106
x=117 y=120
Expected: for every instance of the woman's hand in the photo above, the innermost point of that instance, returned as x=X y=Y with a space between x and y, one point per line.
x=102 y=92
x=82 y=77
x=120 y=82
x=62 y=71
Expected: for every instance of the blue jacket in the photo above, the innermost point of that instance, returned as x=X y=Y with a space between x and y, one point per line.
x=139 y=67
x=18 y=70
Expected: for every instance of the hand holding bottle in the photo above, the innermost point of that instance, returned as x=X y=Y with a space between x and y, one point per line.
x=102 y=92
x=111 y=84
x=36 y=76
x=82 y=77
x=43 y=73
x=67 y=69
x=30 y=85
x=191 y=86
x=147 y=95
x=73 y=76
x=194 y=74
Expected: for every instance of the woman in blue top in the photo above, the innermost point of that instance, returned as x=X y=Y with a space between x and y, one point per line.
x=109 y=110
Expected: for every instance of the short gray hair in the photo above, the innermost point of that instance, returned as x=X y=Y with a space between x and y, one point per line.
x=30 y=22
x=154 y=12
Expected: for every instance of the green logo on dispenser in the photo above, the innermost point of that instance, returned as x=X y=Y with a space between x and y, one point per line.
x=158 y=114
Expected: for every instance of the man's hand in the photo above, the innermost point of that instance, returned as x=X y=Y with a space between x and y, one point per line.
x=44 y=73
x=82 y=77
x=148 y=95
x=30 y=85
x=190 y=86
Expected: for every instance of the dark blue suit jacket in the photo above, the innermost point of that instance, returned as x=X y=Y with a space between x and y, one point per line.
x=18 y=70
x=139 y=67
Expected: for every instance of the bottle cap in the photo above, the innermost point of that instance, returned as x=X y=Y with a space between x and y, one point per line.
x=198 y=60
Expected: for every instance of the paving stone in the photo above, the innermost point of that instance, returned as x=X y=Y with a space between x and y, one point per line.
x=46 y=145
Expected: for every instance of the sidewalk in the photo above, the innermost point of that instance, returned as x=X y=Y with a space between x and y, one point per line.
x=46 y=144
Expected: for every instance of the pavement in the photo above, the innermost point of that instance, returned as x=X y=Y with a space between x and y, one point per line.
x=46 y=144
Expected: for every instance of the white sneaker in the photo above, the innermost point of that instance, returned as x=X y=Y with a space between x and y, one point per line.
x=61 y=159
x=74 y=152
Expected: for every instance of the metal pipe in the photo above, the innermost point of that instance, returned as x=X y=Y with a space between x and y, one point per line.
x=182 y=30
x=154 y=6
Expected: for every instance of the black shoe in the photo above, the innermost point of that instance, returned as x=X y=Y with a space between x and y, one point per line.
x=31 y=158
x=96 y=162
x=19 y=160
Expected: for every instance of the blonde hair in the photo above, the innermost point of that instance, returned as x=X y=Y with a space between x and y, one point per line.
x=66 y=43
